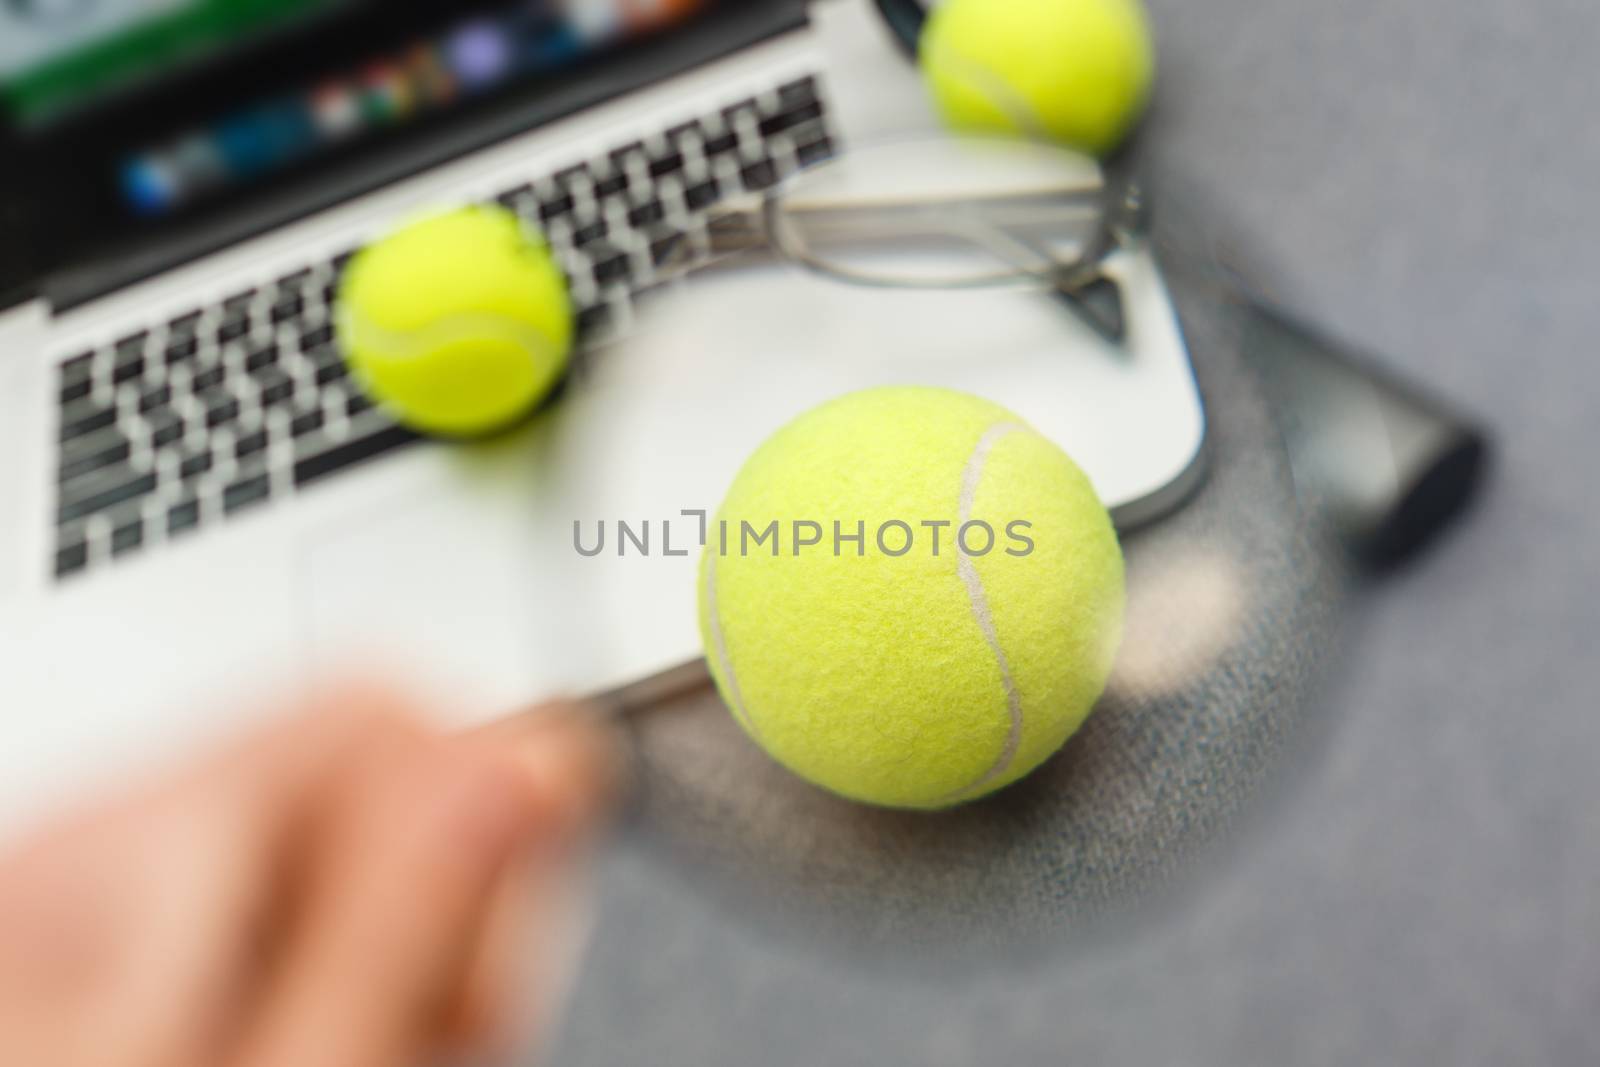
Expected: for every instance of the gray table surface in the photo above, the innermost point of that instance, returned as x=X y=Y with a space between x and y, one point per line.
x=1423 y=172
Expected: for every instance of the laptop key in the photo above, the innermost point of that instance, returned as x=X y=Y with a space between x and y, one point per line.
x=353 y=450
x=182 y=349
x=222 y=411
x=127 y=537
x=276 y=387
x=798 y=92
x=232 y=328
x=211 y=391
x=195 y=465
x=286 y=309
x=210 y=378
x=664 y=165
x=610 y=269
x=165 y=428
x=71 y=558
x=621 y=157
x=127 y=370
x=721 y=143
x=647 y=214
x=559 y=205
x=701 y=195
x=114 y=449
x=260 y=358
x=758 y=175
x=813 y=151
x=183 y=517
x=185 y=323
x=315 y=338
x=239 y=303
x=685 y=132
x=304 y=424
x=331 y=371
x=76 y=390
x=249 y=444
x=323 y=354
x=567 y=177
x=85 y=418
x=103 y=493
x=244 y=493
x=79 y=368
x=158 y=397
x=510 y=197
x=293 y=280
x=731 y=113
x=594 y=318
x=131 y=345
x=789 y=119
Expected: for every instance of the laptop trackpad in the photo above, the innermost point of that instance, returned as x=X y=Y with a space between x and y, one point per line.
x=440 y=594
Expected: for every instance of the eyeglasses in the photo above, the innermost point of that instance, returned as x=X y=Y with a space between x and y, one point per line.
x=951 y=213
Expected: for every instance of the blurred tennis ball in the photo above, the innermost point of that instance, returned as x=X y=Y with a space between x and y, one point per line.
x=954 y=638
x=1076 y=72
x=458 y=323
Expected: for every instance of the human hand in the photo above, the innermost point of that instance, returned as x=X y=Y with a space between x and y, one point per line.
x=348 y=888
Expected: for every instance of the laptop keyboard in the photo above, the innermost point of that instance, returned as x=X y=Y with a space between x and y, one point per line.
x=220 y=410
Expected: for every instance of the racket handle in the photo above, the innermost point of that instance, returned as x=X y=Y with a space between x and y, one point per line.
x=1390 y=464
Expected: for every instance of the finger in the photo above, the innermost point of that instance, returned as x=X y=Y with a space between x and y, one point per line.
x=281 y=768
x=136 y=923
x=525 y=962
x=405 y=871
x=536 y=926
x=589 y=774
x=235 y=829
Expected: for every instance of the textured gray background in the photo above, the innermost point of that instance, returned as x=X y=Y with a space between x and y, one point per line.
x=1424 y=173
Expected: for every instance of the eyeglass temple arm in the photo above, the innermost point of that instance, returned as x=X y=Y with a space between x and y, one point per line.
x=741 y=226
x=740 y=223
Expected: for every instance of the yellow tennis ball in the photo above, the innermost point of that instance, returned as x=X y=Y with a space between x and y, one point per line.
x=910 y=597
x=457 y=323
x=1073 y=71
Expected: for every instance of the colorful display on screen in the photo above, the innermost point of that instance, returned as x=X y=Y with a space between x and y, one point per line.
x=57 y=54
x=468 y=58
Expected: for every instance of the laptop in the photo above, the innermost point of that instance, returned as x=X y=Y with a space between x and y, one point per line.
x=197 y=504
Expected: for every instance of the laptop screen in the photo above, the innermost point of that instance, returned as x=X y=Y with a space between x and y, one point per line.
x=137 y=120
x=58 y=54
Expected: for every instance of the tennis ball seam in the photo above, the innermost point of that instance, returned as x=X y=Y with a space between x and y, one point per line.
x=365 y=335
x=977 y=600
x=720 y=643
x=1001 y=93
